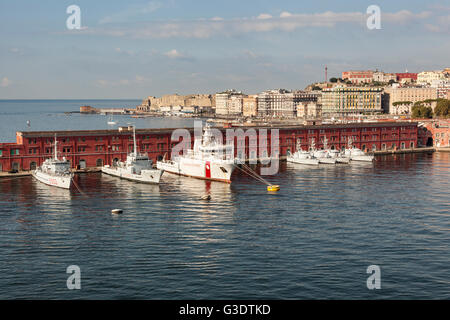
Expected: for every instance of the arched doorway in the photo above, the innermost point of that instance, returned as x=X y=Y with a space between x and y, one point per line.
x=374 y=147
x=115 y=161
x=363 y=148
x=402 y=146
x=383 y=146
x=99 y=162
x=411 y=145
x=32 y=166
x=159 y=158
x=82 y=164
x=15 y=166
x=1 y=167
x=430 y=142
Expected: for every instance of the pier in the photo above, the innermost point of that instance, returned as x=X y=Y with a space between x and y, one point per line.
x=96 y=148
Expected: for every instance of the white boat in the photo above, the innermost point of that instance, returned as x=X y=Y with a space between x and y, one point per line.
x=111 y=122
x=302 y=157
x=208 y=160
x=335 y=154
x=322 y=155
x=55 y=172
x=339 y=156
x=356 y=154
x=138 y=167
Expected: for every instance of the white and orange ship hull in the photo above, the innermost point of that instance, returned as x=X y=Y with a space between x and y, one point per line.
x=197 y=168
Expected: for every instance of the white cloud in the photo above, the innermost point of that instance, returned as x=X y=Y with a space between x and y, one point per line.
x=285 y=14
x=174 y=54
x=441 y=24
x=264 y=16
x=132 y=12
x=5 y=82
x=124 y=52
x=137 y=80
x=251 y=54
x=16 y=51
x=287 y=22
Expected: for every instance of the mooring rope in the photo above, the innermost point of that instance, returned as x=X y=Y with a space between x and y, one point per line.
x=249 y=171
x=78 y=188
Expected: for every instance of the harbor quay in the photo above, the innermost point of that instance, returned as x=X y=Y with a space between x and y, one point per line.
x=86 y=149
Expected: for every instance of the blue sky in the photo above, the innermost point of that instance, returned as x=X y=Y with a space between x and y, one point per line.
x=134 y=49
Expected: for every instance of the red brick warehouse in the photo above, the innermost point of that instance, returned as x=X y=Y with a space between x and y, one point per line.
x=94 y=148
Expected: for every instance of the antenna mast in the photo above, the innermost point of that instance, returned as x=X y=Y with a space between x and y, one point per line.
x=56 y=152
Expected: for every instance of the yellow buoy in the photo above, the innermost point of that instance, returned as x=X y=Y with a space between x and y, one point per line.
x=273 y=188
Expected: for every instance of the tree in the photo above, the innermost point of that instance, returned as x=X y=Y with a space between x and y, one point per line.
x=442 y=108
x=315 y=88
x=420 y=111
x=334 y=80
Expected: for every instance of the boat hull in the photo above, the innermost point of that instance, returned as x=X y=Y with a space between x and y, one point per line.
x=342 y=160
x=303 y=161
x=363 y=158
x=200 y=169
x=63 y=182
x=327 y=160
x=151 y=176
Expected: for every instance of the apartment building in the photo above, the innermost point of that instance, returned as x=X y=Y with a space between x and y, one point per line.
x=401 y=99
x=365 y=100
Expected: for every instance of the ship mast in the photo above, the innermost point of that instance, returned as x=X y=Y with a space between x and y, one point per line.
x=134 y=141
x=56 y=152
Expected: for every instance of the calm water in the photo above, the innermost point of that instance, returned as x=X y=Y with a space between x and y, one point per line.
x=313 y=239
x=51 y=115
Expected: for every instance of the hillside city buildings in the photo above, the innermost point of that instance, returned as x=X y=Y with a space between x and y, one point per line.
x=401 y=99
x=365 y=100
x=363 y=92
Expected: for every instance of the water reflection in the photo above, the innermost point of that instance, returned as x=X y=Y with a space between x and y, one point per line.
x=242 y=243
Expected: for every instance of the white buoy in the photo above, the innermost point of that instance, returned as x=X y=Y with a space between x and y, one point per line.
x=206 y=197
x=116 y=211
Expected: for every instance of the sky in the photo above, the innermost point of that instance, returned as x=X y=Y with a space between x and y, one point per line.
x=138 y=48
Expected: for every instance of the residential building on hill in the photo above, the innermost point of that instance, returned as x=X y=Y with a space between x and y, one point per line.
x=361 y=100
x=401 y=99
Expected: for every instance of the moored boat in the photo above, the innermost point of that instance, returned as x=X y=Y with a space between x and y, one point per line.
x=138 y=167
x=210 y=159
x=302 y=157
x=54 y=172
x=356 y=154
x=339 y=156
